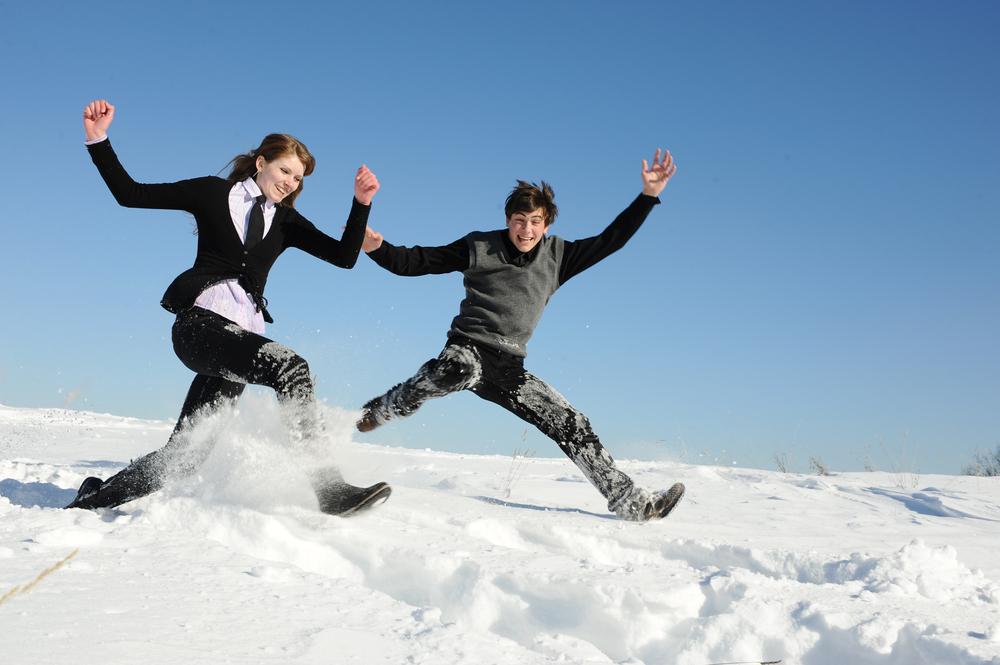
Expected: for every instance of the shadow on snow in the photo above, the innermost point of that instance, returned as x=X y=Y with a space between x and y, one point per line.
x=29 y=495
x=544 y=509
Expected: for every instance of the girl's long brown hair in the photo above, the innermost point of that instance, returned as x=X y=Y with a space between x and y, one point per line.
x=272 y=147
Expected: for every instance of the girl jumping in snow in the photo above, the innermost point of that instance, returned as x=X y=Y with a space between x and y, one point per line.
x=244 y=221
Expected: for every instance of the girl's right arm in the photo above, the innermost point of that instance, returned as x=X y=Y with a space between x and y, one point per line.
x=97 y=117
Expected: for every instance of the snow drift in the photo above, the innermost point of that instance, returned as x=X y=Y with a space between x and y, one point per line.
x=477 y=559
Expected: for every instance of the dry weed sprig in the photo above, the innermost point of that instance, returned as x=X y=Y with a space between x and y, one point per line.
x=25 y=588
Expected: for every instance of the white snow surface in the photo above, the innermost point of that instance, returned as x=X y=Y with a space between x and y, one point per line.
x=477 y=559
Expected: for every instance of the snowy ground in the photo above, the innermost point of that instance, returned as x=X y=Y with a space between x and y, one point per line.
x=477 y=559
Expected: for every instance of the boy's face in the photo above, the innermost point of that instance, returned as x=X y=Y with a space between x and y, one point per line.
x=527 y=228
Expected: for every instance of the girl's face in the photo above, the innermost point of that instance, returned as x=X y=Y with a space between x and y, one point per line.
x=279 y=177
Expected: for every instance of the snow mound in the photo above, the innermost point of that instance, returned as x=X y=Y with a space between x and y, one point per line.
x=932 y=572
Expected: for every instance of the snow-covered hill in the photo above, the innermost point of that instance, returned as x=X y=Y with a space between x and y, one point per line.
x=478 y=559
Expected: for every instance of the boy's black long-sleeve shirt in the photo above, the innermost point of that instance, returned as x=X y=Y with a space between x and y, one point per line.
x=577 y=257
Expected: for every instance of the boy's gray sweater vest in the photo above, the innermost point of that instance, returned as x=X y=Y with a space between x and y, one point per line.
x=504 y=302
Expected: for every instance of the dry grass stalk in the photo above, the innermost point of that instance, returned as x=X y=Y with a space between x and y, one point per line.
x=25 y=588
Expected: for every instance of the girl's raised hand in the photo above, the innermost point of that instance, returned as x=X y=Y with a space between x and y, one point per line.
x=97 y=117
x=365 y=185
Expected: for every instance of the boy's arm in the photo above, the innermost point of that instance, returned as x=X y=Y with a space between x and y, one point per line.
x=416 y=261
x=579 y=255
x=582 y=254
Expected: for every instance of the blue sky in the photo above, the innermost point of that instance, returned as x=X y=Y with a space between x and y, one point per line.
x=821 y=279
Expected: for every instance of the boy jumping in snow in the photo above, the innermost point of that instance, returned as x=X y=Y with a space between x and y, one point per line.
x=509 y=277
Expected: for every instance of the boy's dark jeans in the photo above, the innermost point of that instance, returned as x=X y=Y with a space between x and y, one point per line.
x=501 y=378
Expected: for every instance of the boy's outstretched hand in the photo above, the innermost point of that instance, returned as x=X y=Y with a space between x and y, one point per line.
x=365 y=185
x=655 y=178
x=97 y=117
x=372 y=241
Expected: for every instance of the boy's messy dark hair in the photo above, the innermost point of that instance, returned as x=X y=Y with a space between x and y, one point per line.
x=528 y=196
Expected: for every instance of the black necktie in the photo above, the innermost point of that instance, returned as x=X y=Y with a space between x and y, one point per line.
x=255 y=229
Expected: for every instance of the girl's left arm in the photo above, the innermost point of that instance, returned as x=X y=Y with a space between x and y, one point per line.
x=343 y=253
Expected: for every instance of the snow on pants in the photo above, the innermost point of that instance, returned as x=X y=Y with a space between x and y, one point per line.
x=225 y=357
x=501 y=378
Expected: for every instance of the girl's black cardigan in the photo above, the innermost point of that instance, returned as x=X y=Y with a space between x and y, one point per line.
x=221 y=254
